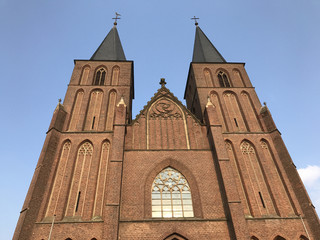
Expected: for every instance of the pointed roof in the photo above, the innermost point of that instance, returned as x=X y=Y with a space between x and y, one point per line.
x=203 y=50
x=110 y=48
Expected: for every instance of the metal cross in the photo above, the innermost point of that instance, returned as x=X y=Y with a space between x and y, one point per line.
x=162 y=82
x=116 y=18
x=195 y=20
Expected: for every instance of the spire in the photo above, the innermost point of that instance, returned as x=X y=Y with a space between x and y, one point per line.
x=203 y=50
x=110 y=48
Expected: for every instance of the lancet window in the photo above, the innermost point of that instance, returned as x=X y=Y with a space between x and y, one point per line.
x=171 y=195
x=223 y=79
x=100 y=77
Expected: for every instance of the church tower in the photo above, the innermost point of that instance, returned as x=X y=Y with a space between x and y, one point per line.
x=216 y=169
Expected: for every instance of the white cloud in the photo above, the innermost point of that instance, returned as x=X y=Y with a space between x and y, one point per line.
x=311 y=178
x=310 y=175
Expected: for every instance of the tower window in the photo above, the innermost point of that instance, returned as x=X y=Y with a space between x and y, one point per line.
x=100 y=77
x=223 y=79
x=171 y=195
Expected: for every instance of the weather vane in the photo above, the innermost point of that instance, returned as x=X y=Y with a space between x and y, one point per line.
x=116 y=18
x=195 y=20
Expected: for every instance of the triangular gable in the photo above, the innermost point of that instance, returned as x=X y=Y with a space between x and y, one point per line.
x=164 y=93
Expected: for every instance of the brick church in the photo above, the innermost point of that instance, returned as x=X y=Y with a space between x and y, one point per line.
x=214 y=169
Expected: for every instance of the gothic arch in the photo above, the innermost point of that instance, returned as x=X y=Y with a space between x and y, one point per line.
x=254 y=238
x=237 y=118
x=302 y=237
x=101 y=179
x=284 y=196
x=208 y=77
x=112 y=90
x=175 y=236
x=149 y=178
x=165 y=113
x=99 y=77
x=110 y=113
x=59 y=186
x=79 y=181
x=94 y=107
x=259 y=187
x=243 y=191
x=223 y=81
x=279 y=238
x=76 y=110
x=246 y=99
x=238 y=75
x=100 y=66
x=84 y=75
x=115 y=75
x=216 y=101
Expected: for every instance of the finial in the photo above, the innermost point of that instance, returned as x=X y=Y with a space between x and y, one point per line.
x=209 y=103
x=264 y=103
x=162 y=82
x=116 y=18
x=195 y=20
x=59 y=100
x=121 y=102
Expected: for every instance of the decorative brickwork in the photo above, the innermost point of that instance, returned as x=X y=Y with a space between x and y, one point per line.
x=216 y=169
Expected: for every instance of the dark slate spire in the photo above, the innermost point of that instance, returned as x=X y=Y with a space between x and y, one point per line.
x=110 y=48
x=203 y=50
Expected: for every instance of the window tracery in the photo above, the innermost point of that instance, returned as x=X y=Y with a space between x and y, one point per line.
x=223 y=79
x=171 y=195
x=247 y=148
x=100 y=77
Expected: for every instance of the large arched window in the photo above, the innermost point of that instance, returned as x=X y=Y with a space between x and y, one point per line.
x=171 y=195
x=100 y=77
x=223 y=79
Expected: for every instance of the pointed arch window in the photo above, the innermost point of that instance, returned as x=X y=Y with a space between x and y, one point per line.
x=223 y=79
x=100 y=77
x=171 y=195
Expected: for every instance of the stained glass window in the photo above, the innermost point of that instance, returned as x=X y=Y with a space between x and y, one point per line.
x=171 y=195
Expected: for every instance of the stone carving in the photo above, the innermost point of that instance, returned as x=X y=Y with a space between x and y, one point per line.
x=164 y=109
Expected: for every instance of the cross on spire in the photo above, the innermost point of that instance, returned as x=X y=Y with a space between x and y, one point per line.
x=195 y=20
x=162 y=82
x=116 y=18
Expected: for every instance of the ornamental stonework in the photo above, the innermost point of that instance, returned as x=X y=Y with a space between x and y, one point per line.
x=165 y=109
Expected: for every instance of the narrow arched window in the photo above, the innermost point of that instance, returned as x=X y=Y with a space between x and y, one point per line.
x=171 y=195
x=100 y=77
x=223 y=79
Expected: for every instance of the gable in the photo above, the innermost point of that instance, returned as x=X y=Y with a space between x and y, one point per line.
x=165 y=123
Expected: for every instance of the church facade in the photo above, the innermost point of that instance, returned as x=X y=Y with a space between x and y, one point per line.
x=214 y=169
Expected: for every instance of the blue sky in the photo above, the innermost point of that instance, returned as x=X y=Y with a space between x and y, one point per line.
x=277 y=39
